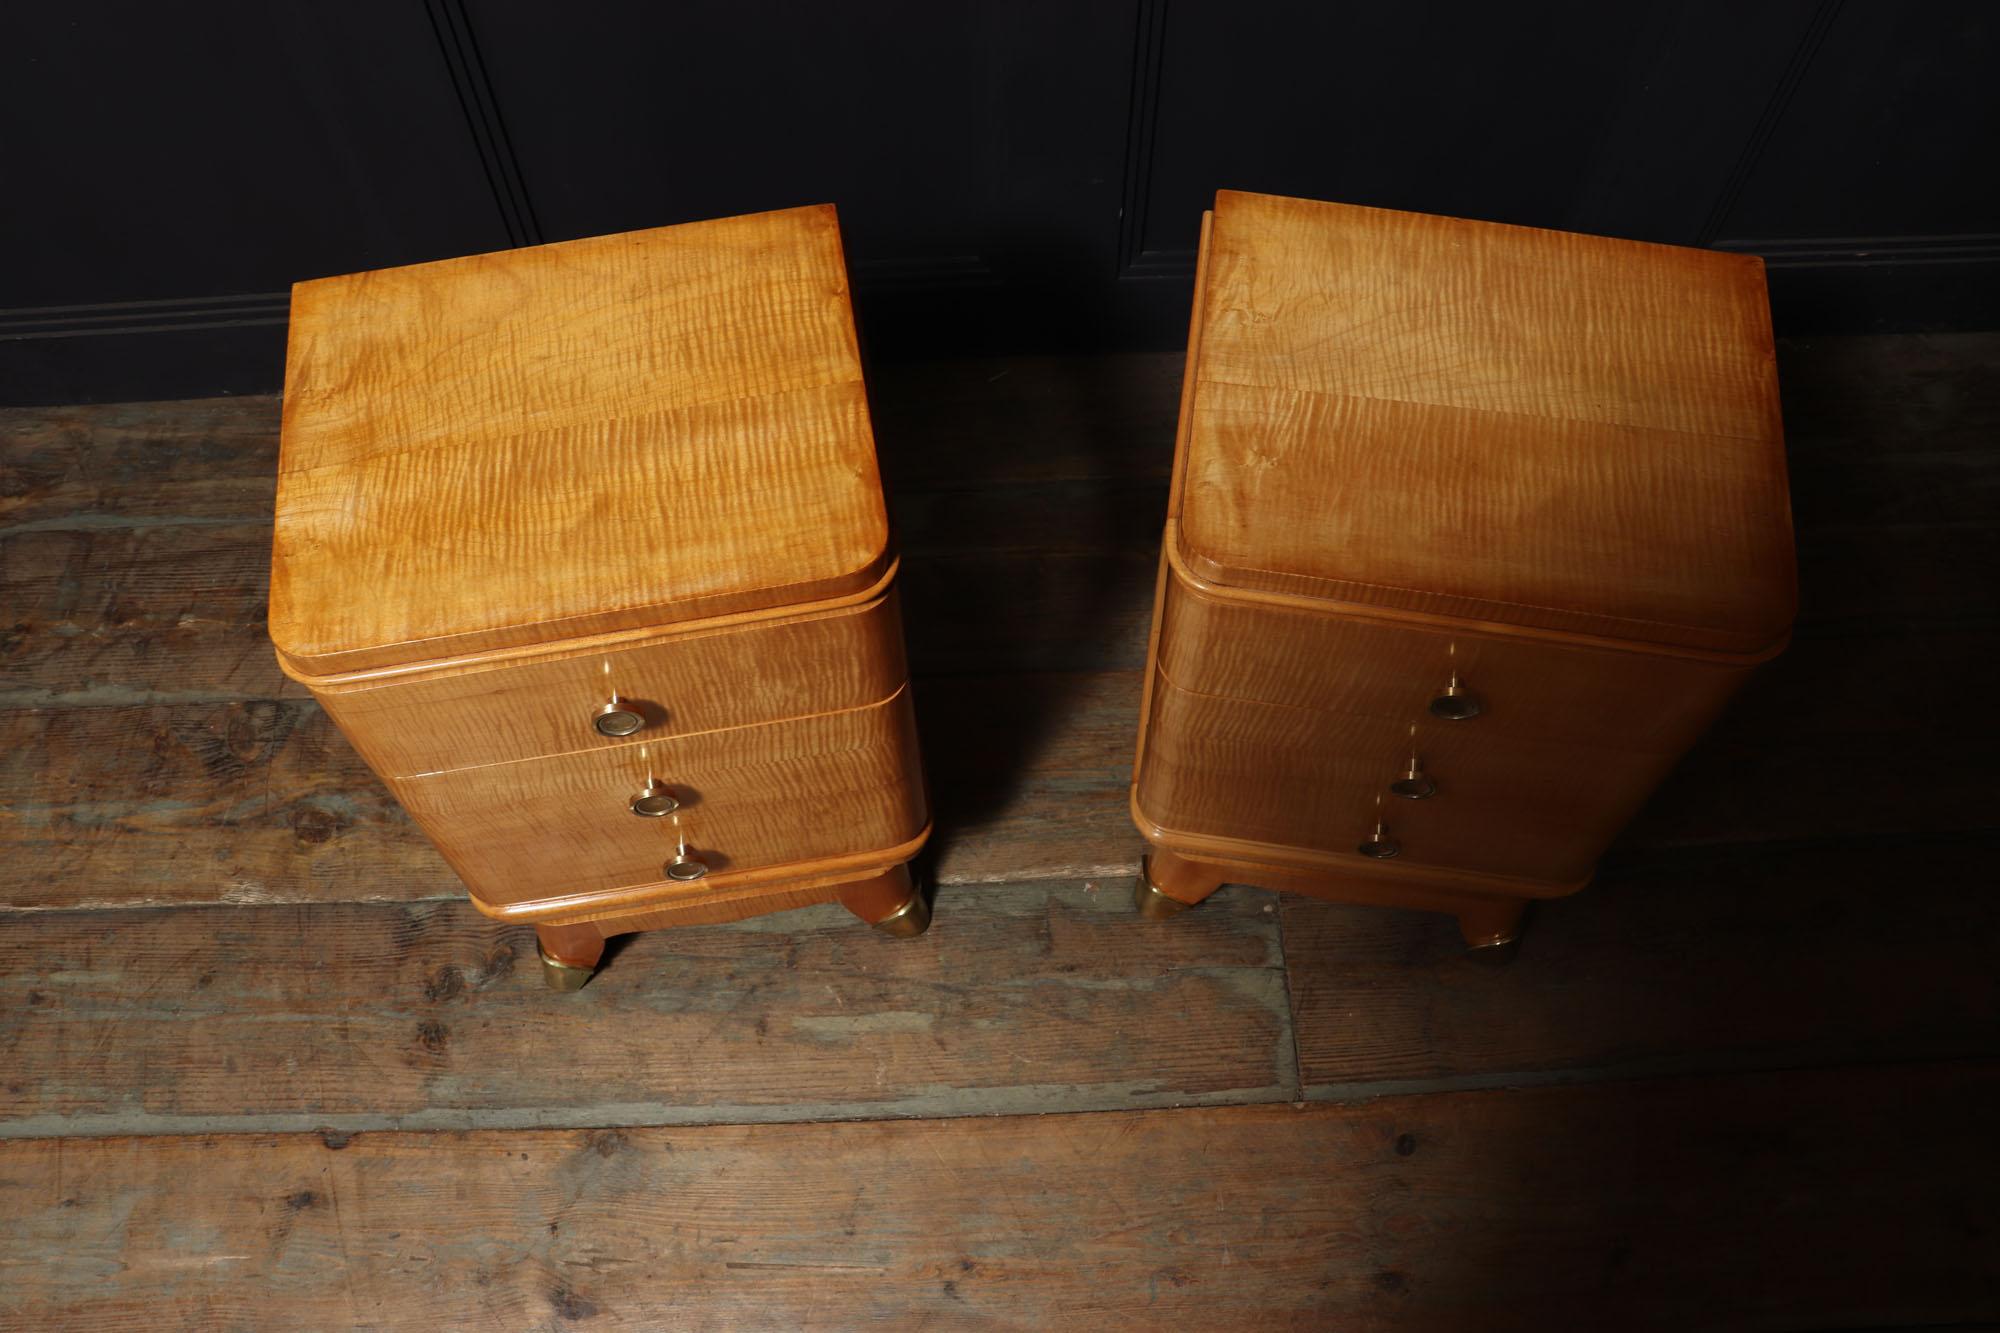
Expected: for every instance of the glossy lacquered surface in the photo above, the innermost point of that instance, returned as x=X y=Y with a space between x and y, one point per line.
x=1296 y=777
x=750 y=797
x=1474 y=530
x=494 y=709
x=583 y=548
x=571 y=439
x=1487 y=422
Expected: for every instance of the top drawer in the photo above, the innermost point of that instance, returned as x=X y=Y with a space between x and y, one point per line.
x=1533 y=688
x=675 y=684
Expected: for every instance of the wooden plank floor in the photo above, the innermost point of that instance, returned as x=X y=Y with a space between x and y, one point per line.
x=261 y=1066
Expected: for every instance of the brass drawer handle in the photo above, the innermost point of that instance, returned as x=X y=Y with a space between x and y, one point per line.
x=654 y=800
x=1456 y=703
x=685 y=867
x=1380 y=846
x=1414 y=785
x=617 y=719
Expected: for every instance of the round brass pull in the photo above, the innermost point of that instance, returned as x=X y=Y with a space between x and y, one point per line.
x=1456 y=703
x=1380 y=846
x=654 y=800
x=684 y=867
x=616 y=719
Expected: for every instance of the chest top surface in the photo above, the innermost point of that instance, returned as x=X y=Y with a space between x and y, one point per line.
x=1489 y=423
x=598 y=435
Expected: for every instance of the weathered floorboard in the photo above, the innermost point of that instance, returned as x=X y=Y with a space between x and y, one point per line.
x=1769 y=958
x=1764 y=1201
x=263 y=802
x=198 y=803
x=137 y=615
x=1025 y=998
x=131 y=464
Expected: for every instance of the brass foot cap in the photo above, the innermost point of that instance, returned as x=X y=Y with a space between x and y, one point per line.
x=1497 y=953
x=910 y=920
x=1152 y=904
x=563 y=976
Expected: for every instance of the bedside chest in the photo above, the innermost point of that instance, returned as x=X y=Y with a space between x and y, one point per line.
x=583 y=548
x=1473 y=530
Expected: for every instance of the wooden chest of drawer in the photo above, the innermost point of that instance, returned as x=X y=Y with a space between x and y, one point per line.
x=583 y=548
x=1474 y=530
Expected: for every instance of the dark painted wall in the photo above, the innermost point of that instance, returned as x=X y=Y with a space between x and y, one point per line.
x=1012 y=174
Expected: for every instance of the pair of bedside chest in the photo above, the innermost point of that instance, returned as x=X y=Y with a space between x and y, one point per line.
x=1472 y=530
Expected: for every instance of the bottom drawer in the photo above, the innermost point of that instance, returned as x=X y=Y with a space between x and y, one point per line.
x=835 y=784
x=1313 y=780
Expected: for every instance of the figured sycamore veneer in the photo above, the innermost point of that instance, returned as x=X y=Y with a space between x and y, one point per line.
x=490 y=711
x=1302 y=778
x=563 y=440
x=1417 y=452
x=1487 y=423
x=784 y=792
x=1536 y=688
x=516 y=487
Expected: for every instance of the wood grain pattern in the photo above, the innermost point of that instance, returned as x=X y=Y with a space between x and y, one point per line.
x=1297 y=778
x=490 y=712
x=499 y=473
x=262 y=801
x=141 y=614
x=1023 y=578
x=1419 y=452
x=799 y=790
x=428 y=1015
x=1728 y=1203
x=1412 y=307
x=132 y=464
x=1718 y=1200
x=1529 y=688
x=1523 y=426
x=569 y=439
x=1479 y=519
x=246 y=802
x=982 y=597
x=120 y=801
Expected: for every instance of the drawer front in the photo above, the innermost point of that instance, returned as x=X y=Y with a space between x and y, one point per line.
x=832 y=785
x=676 y=685
x=1499 y=804
x=1534 y=689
